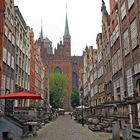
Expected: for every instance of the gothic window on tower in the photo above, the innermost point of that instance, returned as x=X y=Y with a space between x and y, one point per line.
x=74 y=80
x=58 y=69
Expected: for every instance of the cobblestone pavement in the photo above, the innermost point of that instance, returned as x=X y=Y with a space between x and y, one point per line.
x=65 y=128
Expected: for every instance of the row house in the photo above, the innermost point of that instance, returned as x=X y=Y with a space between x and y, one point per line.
x=18 y=56
x=124 y=39
x=106 y=53
x=86 y=75
x=116 y=65
x=40 y=71
x=89 y=70
x=7 y=47
x=128 y=13
x=22 y=60
x=100 y=70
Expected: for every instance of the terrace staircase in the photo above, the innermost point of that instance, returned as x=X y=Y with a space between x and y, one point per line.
x=136 y=133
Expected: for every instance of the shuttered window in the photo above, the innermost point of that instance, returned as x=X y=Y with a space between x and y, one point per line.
x=129 y=82
x=126 y=42
x=134 y=34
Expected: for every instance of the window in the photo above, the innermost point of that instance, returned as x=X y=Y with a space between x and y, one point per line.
x=111 y=41
x=95 y=89
x=129 y=82
x=74 y=80
x=119 y=59
x=116 y=61
x=95 y=75
x=99 y=56
x=58 y=69
x=100 y=71
x=13 y=40
x=117 y=31
x=9 y=59
x=122 y=88
x=126 y=42
x=130 y=3
x=8 y=83
x=134 y=33
x=137 y=68
x=17 y=41
x=12 y=20
x=114 y=64
x=4 y=54
x=6 y=31
x=12 y=62
x=12 y=86
x=91 y=79
x=101 y=88
x=10 y=36
x=92 y=92
x=3 y=82
x=118 y=89
x=114 y=35
x=123 y=11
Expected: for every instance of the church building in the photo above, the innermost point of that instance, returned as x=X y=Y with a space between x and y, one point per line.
x=62 y=61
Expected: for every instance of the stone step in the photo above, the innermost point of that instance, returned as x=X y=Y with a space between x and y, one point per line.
x=136 y=135
x=136 y=130
x=105 y=122
x=107 y=119
x=102 y=124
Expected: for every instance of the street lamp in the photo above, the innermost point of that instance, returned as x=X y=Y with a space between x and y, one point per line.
x=82 y=95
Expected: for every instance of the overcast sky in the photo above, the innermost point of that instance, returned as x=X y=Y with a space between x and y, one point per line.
x=84 y=18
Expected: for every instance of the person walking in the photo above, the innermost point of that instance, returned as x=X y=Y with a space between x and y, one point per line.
x=71 y=115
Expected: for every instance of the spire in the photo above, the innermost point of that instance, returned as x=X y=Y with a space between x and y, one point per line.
x=103 y=6
x=66 y=33
x=41 y=33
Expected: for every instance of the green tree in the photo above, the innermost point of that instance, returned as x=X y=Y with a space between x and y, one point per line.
x=75 y=99
x=58 y=88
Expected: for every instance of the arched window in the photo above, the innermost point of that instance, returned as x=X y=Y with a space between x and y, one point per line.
x=58 y=69
x=74 y=80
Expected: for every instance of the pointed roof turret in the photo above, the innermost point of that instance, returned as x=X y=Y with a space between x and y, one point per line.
x=103 y=8
x=66 y=33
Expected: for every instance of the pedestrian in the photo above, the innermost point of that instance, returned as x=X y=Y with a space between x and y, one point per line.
x=71 y=115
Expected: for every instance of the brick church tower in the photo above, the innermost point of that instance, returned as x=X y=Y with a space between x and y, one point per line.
x=62 y=61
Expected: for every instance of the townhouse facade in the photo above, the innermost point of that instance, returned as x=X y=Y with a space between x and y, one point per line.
x=40 y=76
x=18 y=55
x=117 y=64
x=22 y=59
x=7 y=49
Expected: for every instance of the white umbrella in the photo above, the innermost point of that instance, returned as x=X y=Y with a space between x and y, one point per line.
x=60 y=109
x=80 y=107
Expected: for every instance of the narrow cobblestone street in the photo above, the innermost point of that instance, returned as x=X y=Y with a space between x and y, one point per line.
x=65 y=128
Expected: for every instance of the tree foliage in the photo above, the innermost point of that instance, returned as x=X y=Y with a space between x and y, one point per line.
x=58 y=88
x=75 y=99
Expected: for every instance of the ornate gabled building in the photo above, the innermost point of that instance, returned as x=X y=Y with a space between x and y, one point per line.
x=61 y=60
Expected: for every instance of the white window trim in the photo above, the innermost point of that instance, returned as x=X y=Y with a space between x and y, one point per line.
x=123 y=11
x=130 y=3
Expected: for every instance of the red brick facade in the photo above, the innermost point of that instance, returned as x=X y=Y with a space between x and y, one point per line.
x=69 y=65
